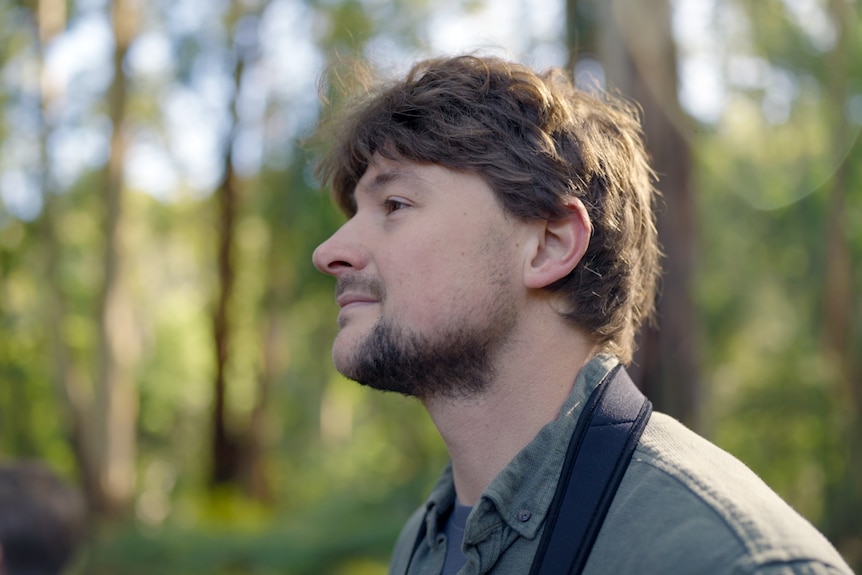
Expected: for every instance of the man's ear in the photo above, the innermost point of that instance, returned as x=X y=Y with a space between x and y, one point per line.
x=559 y=246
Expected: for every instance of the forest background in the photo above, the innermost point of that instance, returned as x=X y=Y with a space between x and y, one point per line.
x=164 y=339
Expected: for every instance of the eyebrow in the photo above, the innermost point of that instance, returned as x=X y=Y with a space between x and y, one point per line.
x=386 y=178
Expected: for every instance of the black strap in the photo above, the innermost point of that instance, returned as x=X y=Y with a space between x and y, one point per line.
x=601 y=447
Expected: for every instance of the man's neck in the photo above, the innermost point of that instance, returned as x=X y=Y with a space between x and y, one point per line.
x=484 y=433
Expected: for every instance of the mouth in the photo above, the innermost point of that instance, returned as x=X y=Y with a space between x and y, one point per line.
x=350 y=300
x=351 y=305
x=353 y=293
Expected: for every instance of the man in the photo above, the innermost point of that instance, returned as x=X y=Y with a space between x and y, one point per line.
x=41 y=520
x=499 y=255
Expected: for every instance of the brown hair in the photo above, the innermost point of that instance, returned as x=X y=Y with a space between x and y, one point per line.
x=536 y=139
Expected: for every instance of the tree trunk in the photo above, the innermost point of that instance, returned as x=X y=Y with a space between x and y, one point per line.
x=635 y=45
x=239 y=454
x=115 y=401
x=845 y=502
x=75 y=403
x=225 y=454
x=839 y=288
x=256 y=479
x=227 y=446
x=581 y=30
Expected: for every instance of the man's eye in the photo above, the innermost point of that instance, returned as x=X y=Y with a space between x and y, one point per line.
x=393 y=204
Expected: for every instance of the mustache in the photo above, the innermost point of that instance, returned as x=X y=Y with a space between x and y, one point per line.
x=366 y=286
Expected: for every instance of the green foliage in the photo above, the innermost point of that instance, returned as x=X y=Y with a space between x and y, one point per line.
x=346 y=534
x=780 y=398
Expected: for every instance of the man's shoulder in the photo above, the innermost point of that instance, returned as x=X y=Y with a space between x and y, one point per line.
x=686 y=502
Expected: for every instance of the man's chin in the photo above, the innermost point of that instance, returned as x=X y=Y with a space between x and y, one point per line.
x=356 y=359
x=342 y=357
x=350 y=335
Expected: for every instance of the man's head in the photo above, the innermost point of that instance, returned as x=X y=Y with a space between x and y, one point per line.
x=41 y=520
x=541 y=146
x=426 y=279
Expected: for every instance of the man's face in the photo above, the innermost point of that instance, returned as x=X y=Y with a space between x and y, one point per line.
x=427 y=280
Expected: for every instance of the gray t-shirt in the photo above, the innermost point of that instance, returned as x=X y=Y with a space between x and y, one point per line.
x=454 y=532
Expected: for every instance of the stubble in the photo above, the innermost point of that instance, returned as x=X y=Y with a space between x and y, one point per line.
x=456 y=361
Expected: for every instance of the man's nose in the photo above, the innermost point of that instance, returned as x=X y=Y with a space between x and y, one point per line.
x=342 y=252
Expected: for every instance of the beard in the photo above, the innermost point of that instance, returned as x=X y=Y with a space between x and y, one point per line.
x=456 y=362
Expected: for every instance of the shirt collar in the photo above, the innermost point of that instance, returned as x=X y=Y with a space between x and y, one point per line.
x=521 y=494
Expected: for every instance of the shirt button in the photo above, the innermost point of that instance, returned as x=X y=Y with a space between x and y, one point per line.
x=524 y=515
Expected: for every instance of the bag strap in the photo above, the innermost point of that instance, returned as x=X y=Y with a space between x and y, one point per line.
x=599 y=453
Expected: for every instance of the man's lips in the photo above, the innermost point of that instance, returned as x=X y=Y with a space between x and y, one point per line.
x=353 y=291
x=354 y=299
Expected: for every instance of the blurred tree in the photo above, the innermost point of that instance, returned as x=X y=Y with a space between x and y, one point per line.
x=669 y=363
x=112 y=437
x=633 y=41
x=20 y=31
x=51 y=20
x=226 y=447
x=838 y=336
x=839 y=298
x=779 y=183
x=93 y=411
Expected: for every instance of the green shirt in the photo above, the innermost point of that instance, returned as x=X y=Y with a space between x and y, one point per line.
x=684 y=506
